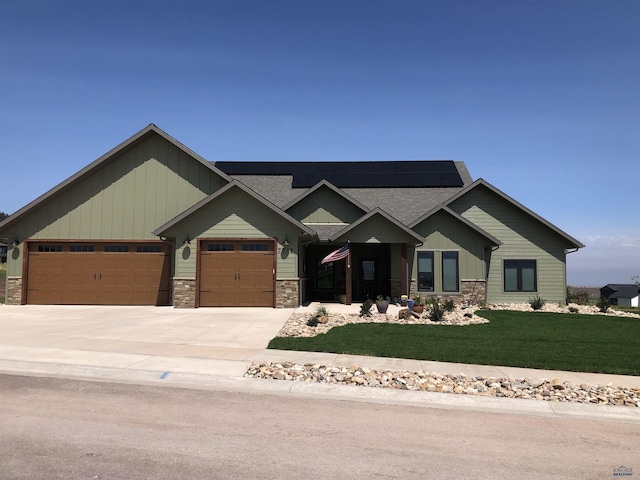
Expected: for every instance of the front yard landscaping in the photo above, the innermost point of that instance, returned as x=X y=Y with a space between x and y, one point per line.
x=554 y=341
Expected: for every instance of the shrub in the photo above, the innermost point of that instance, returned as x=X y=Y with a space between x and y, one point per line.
x=573 y=310
x=321 y=311
x=603 y=304
x=365 y=308
x=313 y=321
x=537 y=302
x=581 y=297
x=449 y=306
x=436 y=310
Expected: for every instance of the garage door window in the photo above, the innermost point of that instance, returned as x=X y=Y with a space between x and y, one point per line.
x=148 y=249
x=49 y=248
x=220 y=247
x=81 y=248
x=116 y=248
x=255 y=247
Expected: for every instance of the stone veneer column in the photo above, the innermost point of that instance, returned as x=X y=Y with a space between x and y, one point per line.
x=184 y=292
x=473 y=291
x=14 y=291
x=287 y=293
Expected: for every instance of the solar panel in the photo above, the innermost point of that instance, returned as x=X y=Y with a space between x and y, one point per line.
x=383 y=174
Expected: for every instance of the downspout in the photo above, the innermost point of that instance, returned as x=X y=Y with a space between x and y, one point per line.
x=567 y=252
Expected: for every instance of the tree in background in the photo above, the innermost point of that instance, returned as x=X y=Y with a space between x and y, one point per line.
x=3 y=216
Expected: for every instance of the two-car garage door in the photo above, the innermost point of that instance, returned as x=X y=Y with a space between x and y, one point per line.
x=98 y=273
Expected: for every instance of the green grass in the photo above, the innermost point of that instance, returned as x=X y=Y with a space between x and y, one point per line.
x=570 y=342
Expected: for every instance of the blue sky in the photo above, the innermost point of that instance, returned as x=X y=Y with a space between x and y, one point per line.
x=540 y=98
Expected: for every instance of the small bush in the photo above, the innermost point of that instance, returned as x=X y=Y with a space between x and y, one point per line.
x=365 y=308
x=449 y=306
x=537 y=302
x=436 y=310
x=313 y=321
x=573 y=310
x=603 y=304
x=468 y=315
x=581 y=297
x=321 y=311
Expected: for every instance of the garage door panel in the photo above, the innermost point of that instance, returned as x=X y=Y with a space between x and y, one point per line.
x=235 y=276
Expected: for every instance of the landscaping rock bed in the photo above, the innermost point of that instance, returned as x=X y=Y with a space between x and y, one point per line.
x=538 y=389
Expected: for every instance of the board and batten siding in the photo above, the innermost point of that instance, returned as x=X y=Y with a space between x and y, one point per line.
x=442 y=232
x=126 y=198
x=325 y=206
x=523 y=238
x=235 y=214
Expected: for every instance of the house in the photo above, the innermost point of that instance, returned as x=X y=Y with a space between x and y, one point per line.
x=623 y=295
x=152 y=222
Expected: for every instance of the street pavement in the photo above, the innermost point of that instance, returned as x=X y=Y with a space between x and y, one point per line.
x=211 y=348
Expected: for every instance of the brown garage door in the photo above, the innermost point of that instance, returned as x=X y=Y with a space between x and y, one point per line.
x=98 y=273
x=236 y=273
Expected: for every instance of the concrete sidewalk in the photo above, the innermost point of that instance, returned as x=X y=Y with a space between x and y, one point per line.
x=212 y=348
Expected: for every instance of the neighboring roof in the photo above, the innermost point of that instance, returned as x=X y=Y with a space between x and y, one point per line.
x=125 y=146
x=460 y=218
x=386 y=216
x=211 y=198
x=481 y=182
x=317 y=186
x=364 y=174
x=623 y=290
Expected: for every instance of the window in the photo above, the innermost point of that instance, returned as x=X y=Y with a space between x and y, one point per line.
x=520 y=276
x=80 y=248
x=220 y=247
x=49 y=248
x=450 y=272
x=116 y=248
x=148 y=249
x=425 y=271
x=255 y=247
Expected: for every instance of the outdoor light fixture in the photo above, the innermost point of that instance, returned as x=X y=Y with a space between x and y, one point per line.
x=15 y=243
x=285 y=242
x=187 y=241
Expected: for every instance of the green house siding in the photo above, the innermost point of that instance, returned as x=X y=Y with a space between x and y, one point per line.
x=127 y=198
x=235 y=215
x=524 y=238
x=442 y=232
x=325 y=206
x=376 y=229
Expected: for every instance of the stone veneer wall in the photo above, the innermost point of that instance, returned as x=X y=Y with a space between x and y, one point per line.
x=473 y=291
x=184 y=292
x=14 y=291
x=287 y=293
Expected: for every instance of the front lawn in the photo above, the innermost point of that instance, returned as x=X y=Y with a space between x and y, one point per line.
x=570 y=342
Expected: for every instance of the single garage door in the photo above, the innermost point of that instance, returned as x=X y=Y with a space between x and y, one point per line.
x=98 y=273
x=235 y=273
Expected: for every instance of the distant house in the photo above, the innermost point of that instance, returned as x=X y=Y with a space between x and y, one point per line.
x=623 y=295
x=153 y=223
x=3 y=252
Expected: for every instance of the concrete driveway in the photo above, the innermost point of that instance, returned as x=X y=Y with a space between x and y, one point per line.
x=208 y=340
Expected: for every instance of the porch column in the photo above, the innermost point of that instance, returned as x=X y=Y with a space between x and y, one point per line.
x=348 y=279
x=404 y=272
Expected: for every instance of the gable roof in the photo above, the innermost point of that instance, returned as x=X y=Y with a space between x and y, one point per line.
x=460 y=218
x=217 y=194
x=483 y=183
x=122 y=148
x=383 y=214
x=623 y=290
x=327 y=184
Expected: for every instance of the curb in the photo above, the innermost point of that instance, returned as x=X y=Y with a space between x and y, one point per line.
x=324 y=391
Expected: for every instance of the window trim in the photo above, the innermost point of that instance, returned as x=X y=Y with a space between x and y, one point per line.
x=518 y=262
x=430 y=253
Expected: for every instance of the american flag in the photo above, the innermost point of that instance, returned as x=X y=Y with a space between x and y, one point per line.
x=336 y=255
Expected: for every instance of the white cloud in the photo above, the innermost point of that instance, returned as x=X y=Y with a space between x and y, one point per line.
x=606 y=259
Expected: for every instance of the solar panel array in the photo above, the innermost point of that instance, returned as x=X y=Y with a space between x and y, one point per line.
x=389 y=174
